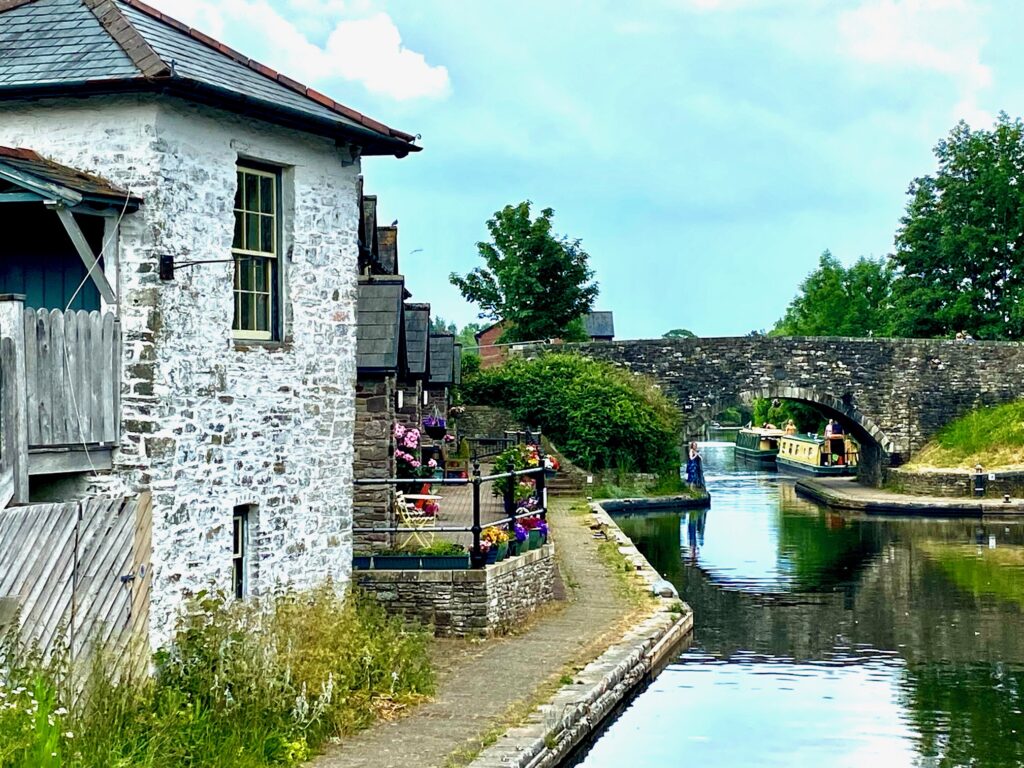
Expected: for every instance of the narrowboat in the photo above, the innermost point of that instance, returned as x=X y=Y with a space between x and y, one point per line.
x=758 y=446
x=813 y=455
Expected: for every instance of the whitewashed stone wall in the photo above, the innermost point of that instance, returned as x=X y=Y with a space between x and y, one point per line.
x=207 y=424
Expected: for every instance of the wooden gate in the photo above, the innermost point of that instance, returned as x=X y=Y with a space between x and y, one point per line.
x=79 y=572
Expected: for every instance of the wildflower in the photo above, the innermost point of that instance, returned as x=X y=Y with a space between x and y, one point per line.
x=432 y=464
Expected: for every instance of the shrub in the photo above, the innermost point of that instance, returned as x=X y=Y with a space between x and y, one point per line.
x=599 y=415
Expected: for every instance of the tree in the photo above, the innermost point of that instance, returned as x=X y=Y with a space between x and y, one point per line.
x=838 y=301
x=679 y=333
x=535 y=281
x=960 y=246
x=440 y=325
x=467 y=336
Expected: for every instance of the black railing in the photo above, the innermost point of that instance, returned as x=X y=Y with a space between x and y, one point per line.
x=498 y=509
x=486 y=446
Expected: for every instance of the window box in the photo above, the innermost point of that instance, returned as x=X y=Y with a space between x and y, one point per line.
x=396 y=562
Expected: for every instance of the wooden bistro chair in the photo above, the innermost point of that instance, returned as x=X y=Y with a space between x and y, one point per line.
x=409 y=515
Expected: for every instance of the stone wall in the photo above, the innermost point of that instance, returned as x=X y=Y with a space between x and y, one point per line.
x=208 y=423
x=952 y=483
x=374 y=457
x=487 y=601
x=894 y=394
x=487 y=420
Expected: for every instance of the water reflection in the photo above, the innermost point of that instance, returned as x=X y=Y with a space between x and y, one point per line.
x=823 y=639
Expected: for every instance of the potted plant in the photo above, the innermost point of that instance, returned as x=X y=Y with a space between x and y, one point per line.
x=532 y=526
x=396 y=560
x=489 y=552
x=444 y=556
x=435 y=426
x=361 y=562
x=518 y=539
x=498 y=539
x=551 y=466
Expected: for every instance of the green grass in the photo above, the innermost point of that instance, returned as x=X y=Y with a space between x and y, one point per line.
x=992 y=437
x=242 y=685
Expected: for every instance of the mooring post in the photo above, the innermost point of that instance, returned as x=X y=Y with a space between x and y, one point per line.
x=476 y=556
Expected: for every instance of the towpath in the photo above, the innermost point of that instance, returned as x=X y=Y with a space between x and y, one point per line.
x=846 y=493
x=483 y=683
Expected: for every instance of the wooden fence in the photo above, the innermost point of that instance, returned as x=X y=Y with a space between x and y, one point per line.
x=72 y=371
x=82 y=568
x=9 y=448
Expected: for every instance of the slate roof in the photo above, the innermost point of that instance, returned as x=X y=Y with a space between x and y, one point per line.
x=457 y=376
x=599 y=325
x=417 y=328
x=25 y=169
x=442 y=359
x=379 y=325
x=76 y=47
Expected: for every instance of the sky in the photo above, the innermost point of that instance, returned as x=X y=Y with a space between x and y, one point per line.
x=705 y=151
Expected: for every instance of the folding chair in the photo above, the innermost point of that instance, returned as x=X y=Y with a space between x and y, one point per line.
x=409 y=516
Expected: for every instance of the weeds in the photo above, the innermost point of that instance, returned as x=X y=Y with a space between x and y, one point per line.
x=246 y=685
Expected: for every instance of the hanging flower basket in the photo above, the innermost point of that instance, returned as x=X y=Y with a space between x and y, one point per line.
x=435 y=427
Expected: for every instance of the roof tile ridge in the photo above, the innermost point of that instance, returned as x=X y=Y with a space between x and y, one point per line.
x=266 y=71
x=131 y=41
x=10 y=5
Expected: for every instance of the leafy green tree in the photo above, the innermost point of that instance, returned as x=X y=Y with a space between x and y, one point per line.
x=467 y=336
x=534 y=280
x=440 y=325
x=679 y=333
x=841 y=301
x=960 y=246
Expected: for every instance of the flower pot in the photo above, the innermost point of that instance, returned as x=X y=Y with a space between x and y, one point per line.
x=521 y=546
x=445 y=562
x=492 y=556
x=550 y=472
x=502 y=551
x=397 y=562
x=361 y=562
x=534 y=539
x=437 y=433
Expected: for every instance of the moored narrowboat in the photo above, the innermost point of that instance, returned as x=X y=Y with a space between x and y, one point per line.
x=758 y=446
x=813 y=455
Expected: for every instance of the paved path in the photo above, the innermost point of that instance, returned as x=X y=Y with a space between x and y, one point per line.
x=846 y=493
x=478 y=681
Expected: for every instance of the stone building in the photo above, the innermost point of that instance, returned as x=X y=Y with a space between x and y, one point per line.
x=224 y=214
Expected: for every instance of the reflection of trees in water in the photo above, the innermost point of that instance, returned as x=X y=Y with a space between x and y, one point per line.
x=967 y=714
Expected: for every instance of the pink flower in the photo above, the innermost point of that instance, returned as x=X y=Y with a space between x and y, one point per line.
x=399 y=431
x=415 y=464
x=432 y=464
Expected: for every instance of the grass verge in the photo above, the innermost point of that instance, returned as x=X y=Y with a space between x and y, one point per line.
x=992 y=437
x=242 y=685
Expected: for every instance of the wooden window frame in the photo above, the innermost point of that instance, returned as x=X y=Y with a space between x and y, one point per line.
x=240 y=524
x=272 y=258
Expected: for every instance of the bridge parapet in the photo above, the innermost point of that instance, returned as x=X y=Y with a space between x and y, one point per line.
x=893 y=394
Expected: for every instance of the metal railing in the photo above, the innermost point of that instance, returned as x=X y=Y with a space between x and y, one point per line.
x=484 y=447
x=498 y=510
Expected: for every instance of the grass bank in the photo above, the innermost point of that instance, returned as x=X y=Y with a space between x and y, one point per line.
x=992 y=437
x=631 y=485
x=243 y=685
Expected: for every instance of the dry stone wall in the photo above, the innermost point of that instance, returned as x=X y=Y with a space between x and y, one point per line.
x=208 y=424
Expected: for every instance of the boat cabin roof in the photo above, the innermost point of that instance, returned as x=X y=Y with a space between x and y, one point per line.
x=764 y=432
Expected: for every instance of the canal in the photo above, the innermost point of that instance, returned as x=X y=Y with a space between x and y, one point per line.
x=823 y=639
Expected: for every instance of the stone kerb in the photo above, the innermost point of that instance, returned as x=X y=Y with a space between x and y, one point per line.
x=486 y=601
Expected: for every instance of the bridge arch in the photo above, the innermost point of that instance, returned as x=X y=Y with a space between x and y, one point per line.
x=862 y=424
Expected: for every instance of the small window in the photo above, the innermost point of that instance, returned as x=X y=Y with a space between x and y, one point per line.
x=240 y=552
x=255 y=249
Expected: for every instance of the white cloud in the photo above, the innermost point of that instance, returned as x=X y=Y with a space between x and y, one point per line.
x=940 y=36
x=367 y=50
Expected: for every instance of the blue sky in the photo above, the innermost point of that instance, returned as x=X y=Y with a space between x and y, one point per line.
x=706 y=151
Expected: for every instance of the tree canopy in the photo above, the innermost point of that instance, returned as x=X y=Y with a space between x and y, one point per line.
x=679 y=333
x=538 y=282
x=841 y=301
x=960 y=246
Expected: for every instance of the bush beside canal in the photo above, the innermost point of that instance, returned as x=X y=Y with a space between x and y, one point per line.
x=599 y=416
x=243 y=684
x=992 y=437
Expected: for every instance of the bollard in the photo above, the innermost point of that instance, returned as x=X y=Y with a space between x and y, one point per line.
x=979 y=481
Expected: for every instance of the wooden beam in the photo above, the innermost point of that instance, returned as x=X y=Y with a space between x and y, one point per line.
x=85 y=253
x=62 y=461
x=47 y=189
x=20 y=197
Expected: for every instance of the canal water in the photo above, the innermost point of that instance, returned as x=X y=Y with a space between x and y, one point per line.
x=825 y=639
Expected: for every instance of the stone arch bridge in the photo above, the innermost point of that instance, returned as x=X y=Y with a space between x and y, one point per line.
x=891 y=394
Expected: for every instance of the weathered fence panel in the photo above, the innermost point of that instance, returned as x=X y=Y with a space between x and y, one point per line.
x=72 y=367
x=9 y=447
x=81 y=568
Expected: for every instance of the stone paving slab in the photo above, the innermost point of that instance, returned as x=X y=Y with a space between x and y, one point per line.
x=847 y=493
x=478 y=681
